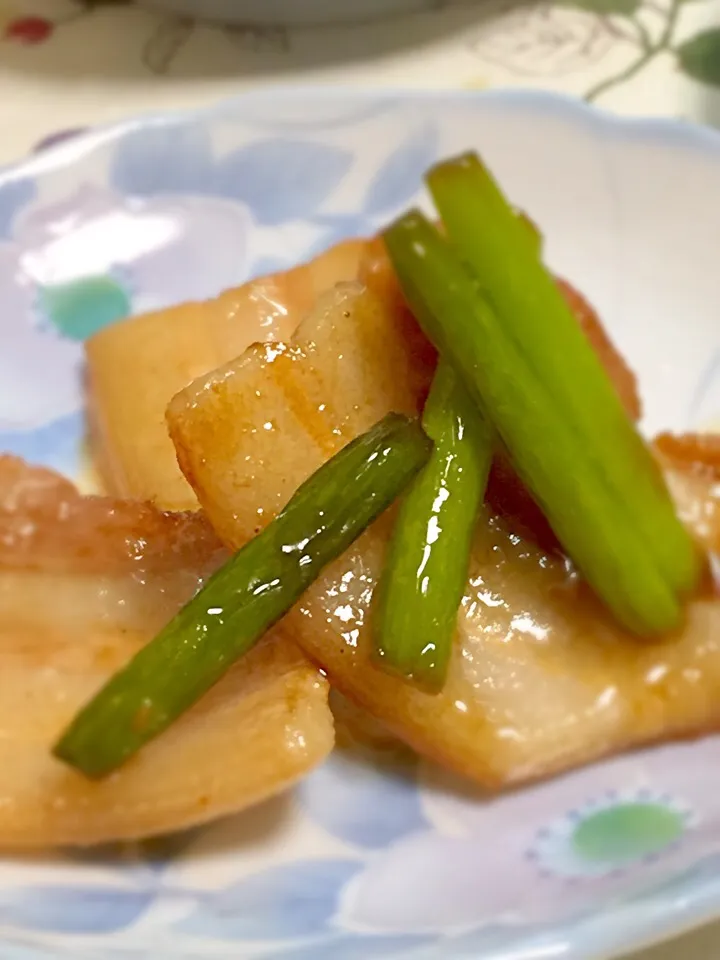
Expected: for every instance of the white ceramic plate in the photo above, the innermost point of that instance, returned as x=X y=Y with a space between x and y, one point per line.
x=364 y=861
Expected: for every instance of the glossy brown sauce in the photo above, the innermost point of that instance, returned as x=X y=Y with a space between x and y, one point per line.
x=541 y=678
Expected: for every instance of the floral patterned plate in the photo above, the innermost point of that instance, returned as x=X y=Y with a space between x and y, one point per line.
x=376 y=855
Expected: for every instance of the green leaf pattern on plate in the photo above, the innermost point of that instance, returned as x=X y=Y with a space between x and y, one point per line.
x=611 y=833
x=627 y=832
x=79 y=308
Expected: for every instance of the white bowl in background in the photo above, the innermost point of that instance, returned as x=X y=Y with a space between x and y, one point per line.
x=292 y=12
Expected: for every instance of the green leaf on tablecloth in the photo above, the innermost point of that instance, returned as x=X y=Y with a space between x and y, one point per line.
x=699 y=57
x=623 y=8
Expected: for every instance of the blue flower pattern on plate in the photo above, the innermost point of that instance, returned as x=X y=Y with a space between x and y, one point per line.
x=373 y=856
x=165 y=159
x=14 y=195
x=73 y=909
x=294 y=900
x=395 y=184
x=55 y=444
x=366 y=798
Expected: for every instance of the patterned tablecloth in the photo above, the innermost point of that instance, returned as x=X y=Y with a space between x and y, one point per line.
x=66 y=64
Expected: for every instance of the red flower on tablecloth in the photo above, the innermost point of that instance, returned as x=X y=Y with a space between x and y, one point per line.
x=32 y=22
x=29 y=30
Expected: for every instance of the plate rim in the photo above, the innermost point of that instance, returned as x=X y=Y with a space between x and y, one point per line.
x=687 y=133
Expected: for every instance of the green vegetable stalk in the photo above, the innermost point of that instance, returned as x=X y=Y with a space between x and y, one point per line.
x=516 y=393
x=245 y=597
x=492 y=241
x=426 y=567
x=534 y=231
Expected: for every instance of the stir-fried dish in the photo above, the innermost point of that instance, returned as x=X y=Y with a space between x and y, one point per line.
x=409 y=470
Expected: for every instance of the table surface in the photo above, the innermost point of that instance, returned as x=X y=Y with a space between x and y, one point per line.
x=67 y=64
